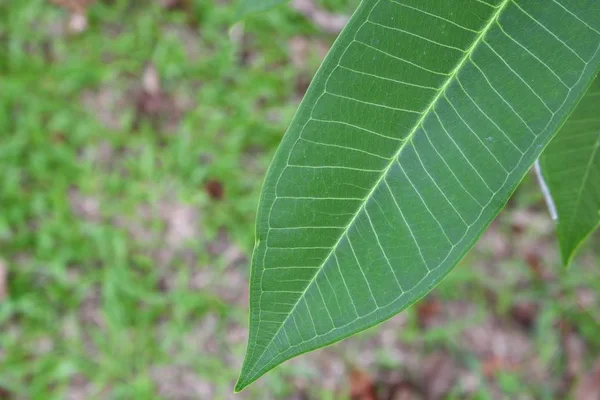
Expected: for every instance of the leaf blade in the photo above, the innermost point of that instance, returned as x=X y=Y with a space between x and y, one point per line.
x=373 y=203
x=571 y=165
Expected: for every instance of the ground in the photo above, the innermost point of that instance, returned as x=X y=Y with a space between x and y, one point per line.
x=135 y=136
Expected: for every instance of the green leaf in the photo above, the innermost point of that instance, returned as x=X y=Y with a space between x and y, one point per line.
x=421 y=122
x=247 y=7
x=571 y=169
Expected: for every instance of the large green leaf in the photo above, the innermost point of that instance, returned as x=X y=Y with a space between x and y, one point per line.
x=420 y=123
x=571 y=168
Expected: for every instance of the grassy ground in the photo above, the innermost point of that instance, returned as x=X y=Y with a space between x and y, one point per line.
x=132 y=154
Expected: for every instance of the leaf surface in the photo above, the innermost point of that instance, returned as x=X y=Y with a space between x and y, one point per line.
x=418 y=126
x=571 y=169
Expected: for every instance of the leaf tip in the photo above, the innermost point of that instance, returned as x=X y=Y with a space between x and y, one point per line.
x=566 y=261
x=245 y=378
x=239 y=386
x=569 y=248
x=566 y=252
x=243 y=381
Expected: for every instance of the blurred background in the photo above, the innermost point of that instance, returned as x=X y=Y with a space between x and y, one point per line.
x=134 y=138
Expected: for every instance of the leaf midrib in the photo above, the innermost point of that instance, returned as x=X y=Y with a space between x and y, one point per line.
x=476 y=42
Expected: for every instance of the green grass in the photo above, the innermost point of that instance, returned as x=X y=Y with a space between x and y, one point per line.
x=105 y=297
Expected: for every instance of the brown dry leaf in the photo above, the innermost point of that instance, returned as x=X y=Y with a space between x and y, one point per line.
x=329 y=22
x=535 y=263
x=3 y=280
x=494 y=364
x=427 y=310
x=5 y=394
x=361 y=386
x=214 y=188
x=525 y=313
x=588 y=387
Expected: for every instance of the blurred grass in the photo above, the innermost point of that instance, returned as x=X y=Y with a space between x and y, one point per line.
x=106 y=298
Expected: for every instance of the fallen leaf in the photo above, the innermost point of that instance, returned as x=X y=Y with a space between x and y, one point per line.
x=494 y=364
x=361 y=386
x=427 y=310
x=536 y=265
x=525 y=313
x=59 y=137
x=215 y=190
x=5 y=394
